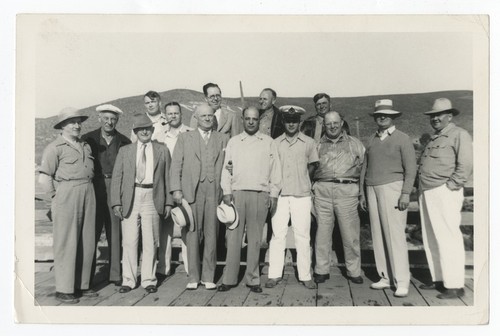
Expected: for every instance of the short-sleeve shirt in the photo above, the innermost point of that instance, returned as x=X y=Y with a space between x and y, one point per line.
x=295 y=157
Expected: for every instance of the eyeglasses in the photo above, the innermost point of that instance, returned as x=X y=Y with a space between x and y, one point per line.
x=214 y=97
x=333 y=124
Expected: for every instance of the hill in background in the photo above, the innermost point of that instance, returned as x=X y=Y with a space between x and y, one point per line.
x=412 y=122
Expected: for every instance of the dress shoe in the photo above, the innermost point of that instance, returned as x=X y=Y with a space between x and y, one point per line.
x=209 y=285
x=357 y=280
x=451 y=293
x=125 y=289
x=320 y=278
x=432 y=285
x=224 y=287
x=401 y=292
x=309 y=284
x=89 y=293
x=192 y=286
x=151 y=289
x=66 y=298
x=255 y=288
x=272 y=282
x=117 y=283
x=381 y=284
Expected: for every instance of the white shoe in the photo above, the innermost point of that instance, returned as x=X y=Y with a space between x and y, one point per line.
x=209 y=285
x=381 y=284
x=401 y=292
x=192 y=286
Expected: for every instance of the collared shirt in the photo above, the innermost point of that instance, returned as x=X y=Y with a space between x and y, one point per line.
x=148 y=177
x=217 y=115
x=161 y=127
x=339 y=158
x=447 y=158
x=172 y=135
x=256 y=164
x=266 y=120
x=295 y=155
x=203 y=133
x=382 y=135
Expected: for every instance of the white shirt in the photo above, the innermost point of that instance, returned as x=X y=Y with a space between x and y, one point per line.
x=386 y=132
x=202 y=133
x=148 y=178
x=217 y=115
x=172 y=134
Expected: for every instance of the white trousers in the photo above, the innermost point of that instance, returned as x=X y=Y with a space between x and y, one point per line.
x=388 y=226
x=168 y=231
x=443 y=241
x=143 y=220
x=299 y=209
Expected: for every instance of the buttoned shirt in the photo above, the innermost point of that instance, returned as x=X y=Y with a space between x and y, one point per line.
x=256 y=164
x=447 y=158
x=161 y=127
x=295 y=154
x=339 y=158
x=204 y=133
x=382 y=135
x=172 y=134
x=148 y=177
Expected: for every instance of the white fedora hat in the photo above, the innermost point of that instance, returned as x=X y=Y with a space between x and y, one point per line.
x=384 y=106
x=442 y=105
x=228 y=215
x=182 y=215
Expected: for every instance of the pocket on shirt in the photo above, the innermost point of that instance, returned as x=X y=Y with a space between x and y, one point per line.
x=441 y=151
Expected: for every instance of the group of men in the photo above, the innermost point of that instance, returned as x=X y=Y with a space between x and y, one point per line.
x=267 y=164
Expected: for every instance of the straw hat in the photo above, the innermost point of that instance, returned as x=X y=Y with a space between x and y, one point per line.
x=182 y=215
x=442 y=105
x=68 y=113
x=228 y=215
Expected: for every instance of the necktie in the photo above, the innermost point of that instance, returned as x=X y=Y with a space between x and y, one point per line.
x=141 y=167
x=215 y=124
x=205 y=137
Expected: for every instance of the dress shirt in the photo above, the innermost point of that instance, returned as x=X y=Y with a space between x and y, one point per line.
x=172 y=134
x=148 y=177
x=447 y=158
x=256 y=164
x=295 y=154
x=266 y=120
x=161 y=127
x=217 y=115
x=339 y=158
x=382 y=135
x=202 y=133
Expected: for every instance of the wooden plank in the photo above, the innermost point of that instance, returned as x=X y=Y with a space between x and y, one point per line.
x=232 y=298
x=468 y=298
x=45 y=295
x=196 y=298
x=334 y=291
x=363 y=295
x=168 y=291
x=125 y=299
x=296 y=294
x=429 y=296
x=413 y=299
x=104 y=294
x=270 y=297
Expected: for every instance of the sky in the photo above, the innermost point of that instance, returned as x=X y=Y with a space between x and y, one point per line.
x=81 y=69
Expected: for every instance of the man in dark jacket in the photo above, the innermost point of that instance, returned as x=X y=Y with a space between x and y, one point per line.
x=270 y=116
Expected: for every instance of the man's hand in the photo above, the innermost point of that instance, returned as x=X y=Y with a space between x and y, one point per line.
x=177 y=195
x=362 y=202
x=273 y=203
x=404 y=201
x=168 y=208
x=227 y=199
x=452 y=187
x=117 y=209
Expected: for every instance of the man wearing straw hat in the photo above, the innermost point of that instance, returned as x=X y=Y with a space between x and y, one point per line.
x=195 y=177
x=66 y=175
x=105 y=143
x=298 y=157
x=140 y=194
x=388 y=173
x=445 y=166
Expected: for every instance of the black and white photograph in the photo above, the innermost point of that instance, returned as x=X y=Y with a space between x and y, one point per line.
x=285 y=169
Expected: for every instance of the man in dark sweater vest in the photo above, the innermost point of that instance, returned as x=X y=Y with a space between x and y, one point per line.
x=388 y=173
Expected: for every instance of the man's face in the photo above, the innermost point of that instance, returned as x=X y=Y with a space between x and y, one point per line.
x=144 y=134
x=205 y=116
x=72 y=127
x=333 y=125
x=173 y=114
x=108 y=121
x=266 y=100
x=440 y=120
x=291 y=127
x=152 y=105
x=251 y=120
x=214 y=98
x=322 y=106
x=383 y=121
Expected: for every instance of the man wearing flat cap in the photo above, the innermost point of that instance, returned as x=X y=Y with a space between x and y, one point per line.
x=298 y=156
x=105 y=143
x=140 y=195
x=388 y=173
x=66 y=176
x=445 y=166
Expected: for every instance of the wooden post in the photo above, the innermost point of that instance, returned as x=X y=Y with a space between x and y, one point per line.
x=242 y=96
x=357 y=127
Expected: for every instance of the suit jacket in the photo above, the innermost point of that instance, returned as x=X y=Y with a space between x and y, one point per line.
x=123 y=180
x=277 y=127
x=229 y=123
x=186 y=163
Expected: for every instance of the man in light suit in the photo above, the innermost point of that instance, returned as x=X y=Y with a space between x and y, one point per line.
x=225 y=121
x=140 y=194
x=195 y=176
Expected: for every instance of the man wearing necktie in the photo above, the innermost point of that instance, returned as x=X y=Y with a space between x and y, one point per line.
x=195 y=176
x=139 y=196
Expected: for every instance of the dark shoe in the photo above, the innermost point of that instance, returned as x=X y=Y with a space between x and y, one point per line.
x=433 y=285
x=151 y=289
x=309 y=284
x=89 y=293
x=117 y=283
x=451 y=293
x=320 y=278
x=357 y=280
x=224 y=287
x=66 y=298
x=255 y=288
x=125 y=289
x=270 y=283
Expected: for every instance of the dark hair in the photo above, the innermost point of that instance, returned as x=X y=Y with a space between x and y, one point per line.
x=172 y=104
x=208 y=86
x=318 y=96
x=272 y=92
x=152 y=95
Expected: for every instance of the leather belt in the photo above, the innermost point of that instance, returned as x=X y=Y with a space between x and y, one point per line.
x=335 y=180
x=146 y=186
